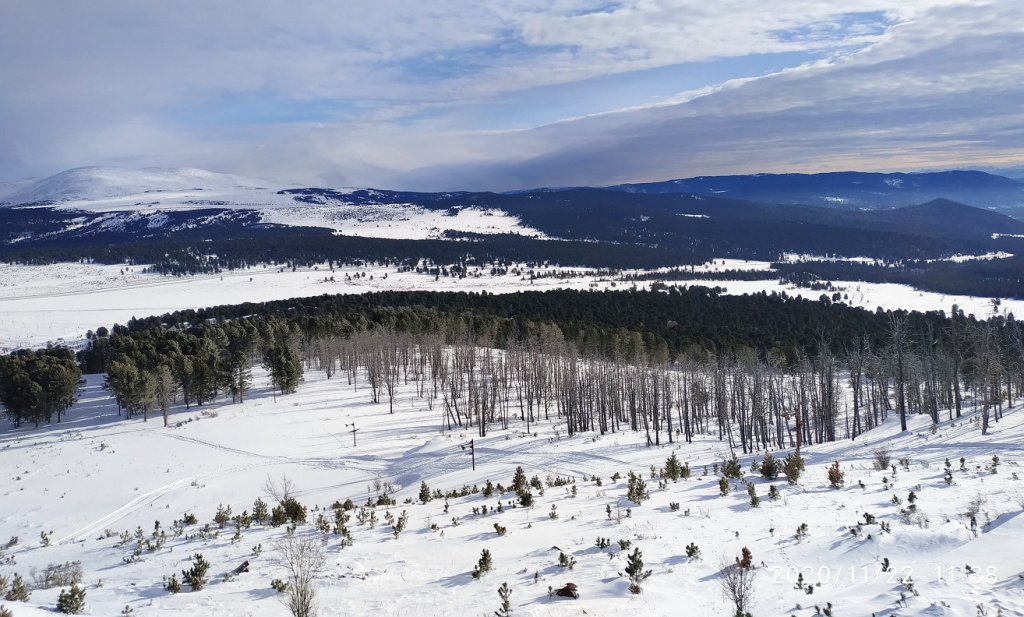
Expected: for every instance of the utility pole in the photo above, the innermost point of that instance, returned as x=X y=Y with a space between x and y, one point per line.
x=353 y=431
x=472 y=452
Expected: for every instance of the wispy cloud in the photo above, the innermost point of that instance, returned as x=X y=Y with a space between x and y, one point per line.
x=504 y=95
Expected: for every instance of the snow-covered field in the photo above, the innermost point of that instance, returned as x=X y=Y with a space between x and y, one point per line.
x=87 y=480
x=61 y=302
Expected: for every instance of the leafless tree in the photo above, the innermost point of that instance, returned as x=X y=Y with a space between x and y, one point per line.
x=280 y=490
x=303 y=558
x=737 y=583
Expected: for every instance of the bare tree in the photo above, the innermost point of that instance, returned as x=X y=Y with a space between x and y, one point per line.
x=737 y=581
x=303 y=557
x=281 y=490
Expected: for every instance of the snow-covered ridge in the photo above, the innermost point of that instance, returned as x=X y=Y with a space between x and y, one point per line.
x=131 y=194
x=103 y=183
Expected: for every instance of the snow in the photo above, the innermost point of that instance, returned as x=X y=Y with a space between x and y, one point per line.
x=98 y=472
x=104 y=184
x=399 y=221
x=59 y=303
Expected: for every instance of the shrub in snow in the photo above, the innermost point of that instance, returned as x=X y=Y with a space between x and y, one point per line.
x=173 y=585
x=723 y=486
x=835 y=476
x=882 y=458
x=565 y=561
x=692 y=551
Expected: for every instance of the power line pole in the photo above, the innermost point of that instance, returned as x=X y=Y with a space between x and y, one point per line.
x=353 y=431
x=472 y=452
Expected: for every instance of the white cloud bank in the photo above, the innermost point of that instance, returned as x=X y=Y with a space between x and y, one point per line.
x=413 y=95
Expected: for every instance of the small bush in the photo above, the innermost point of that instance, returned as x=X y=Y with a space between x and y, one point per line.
x=692 y=551
x=279 y=586
x=723 y=486
x=500 y=530
x=424 y=492
x=882 y=458
x=173 y=585
x=565 y=561
x=58 y=575
x=773 y=492
x=835 y=476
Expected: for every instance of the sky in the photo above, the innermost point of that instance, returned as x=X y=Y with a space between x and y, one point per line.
x=487 y=95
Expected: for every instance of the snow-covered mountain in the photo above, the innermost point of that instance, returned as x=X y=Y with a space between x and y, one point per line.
x=99 y=184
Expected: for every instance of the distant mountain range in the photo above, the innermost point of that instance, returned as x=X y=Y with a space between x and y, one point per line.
x=854 y=190
x=886 y=216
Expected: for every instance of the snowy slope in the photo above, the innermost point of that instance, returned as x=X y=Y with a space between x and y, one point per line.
x=86 y=184
x=124 y=193
x=96 y=475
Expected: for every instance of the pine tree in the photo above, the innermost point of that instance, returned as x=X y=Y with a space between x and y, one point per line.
x=731 y=468
x=195 y=577
x=770 y=467
x=519 y=480
x=792 y=467
x=673 y=470
x=484 y=564
x=424 y=492
x=259 y=511
x=635 y=570
x=71 y=602
x=505 y=593
x=637 y=489
x=19 y=591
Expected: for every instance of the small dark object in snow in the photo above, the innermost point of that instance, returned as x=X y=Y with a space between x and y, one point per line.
x=569 y=591
x=242 y=568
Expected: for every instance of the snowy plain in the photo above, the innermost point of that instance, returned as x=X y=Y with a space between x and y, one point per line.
x=59 y=303
x=96 y=475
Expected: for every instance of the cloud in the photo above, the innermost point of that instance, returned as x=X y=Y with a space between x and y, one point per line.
x=451 y=94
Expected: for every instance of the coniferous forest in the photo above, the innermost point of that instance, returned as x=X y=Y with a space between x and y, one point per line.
x=761 y=371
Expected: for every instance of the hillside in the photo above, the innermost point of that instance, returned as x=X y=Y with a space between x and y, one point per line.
x=82 y=483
